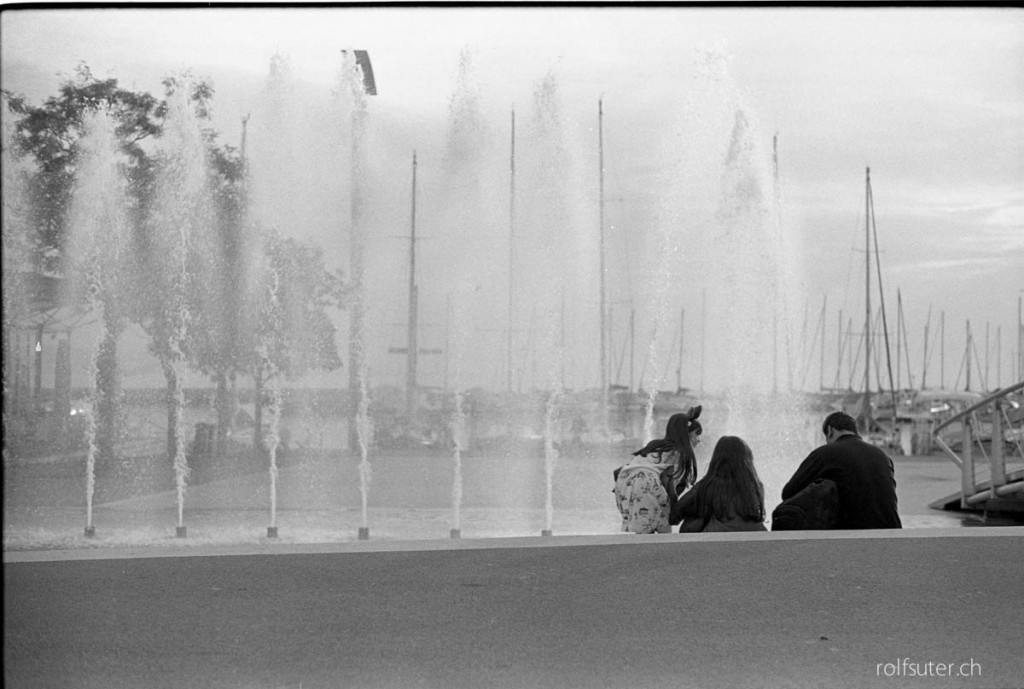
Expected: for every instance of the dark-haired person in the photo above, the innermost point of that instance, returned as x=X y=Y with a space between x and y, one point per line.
x=646 y=489
x=730 y=497
x=863 y=474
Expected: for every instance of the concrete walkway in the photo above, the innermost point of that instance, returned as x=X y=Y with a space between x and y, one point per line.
x=703 y=610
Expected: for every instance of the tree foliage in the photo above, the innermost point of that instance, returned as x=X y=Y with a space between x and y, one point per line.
x=51 y=133
x=224 y=294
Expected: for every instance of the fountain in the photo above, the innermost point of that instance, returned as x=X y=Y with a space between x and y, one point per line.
x=509 y=219
x=97 y=256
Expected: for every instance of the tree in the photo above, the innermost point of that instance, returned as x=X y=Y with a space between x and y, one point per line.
x=221 y=341
x=293 y=333
x=51 y=136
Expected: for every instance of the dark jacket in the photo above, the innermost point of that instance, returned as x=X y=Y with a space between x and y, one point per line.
x=864 y=476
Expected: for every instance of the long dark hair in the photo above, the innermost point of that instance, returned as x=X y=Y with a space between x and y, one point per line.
x=731 y=488
x=677 y=439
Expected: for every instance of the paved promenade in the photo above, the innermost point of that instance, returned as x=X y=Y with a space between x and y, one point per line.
x=703 y=610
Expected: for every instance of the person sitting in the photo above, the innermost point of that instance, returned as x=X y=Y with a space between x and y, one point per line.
x=730 y=497
x=864 y=476
x=647 y=488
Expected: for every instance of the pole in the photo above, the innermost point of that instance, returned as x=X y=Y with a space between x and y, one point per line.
x=968 y=355
x=999 y=358
x=821 y=362
x=38 y=392
x=775 y=353
x=985 y=380
x=679 y=371
x=867 y=302
x=924 y=356
x=632 y=345
x=899 y=339
x=839 y=349
x=1020 y=340
x=410 y=370
x=601 y=268
x=942 y=350
x=511 y=255
x=703 y=332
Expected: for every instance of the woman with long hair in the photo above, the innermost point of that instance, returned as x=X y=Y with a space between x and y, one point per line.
x=646 y=489
x=730 y=497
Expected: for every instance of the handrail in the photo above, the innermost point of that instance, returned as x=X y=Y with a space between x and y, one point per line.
x=978 y=405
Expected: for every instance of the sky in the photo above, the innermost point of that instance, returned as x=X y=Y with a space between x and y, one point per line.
x=931 y=99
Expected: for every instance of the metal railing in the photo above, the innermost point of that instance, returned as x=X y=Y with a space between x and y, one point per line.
x=1003 y=432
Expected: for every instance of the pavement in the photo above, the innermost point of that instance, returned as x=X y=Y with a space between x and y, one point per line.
x=910 y=608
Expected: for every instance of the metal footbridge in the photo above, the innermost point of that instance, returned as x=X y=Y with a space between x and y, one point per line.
x=986 y=442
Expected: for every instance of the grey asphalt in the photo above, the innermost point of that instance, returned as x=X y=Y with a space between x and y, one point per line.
x=733 y=610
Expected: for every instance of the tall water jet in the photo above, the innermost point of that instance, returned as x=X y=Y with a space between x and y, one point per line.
x=457 y=428
x=547 y=231
x=464 y=207
x=97 y=250
x=550 y=458
x=268 y=375
x=459 y=304
x=355 y=91
x=181 y=219
x=749 y=297
x=468 y=200
x=663 y=285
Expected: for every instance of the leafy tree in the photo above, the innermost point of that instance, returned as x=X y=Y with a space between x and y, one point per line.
x=51 y=135
x=221 y=340
x=293 y=332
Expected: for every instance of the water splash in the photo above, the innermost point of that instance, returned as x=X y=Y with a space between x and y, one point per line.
x=273 y=437
x=550 y=456
x=364 y=433
x=90 y=455
x=96 y=253
x=457 y=427
x=271 y=326
x=181 y=216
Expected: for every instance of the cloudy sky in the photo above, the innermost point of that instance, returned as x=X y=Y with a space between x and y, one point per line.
x=931 y=99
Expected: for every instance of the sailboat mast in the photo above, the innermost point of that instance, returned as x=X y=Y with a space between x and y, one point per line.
x=410 y=371
x=632 y=345
x=511 y=254
x=942 y=350
x=601 y=267
x=867 y=302
x=703 y=333
x=821 y=363
x=899 y=339
x=679 y=371
x=924 y=357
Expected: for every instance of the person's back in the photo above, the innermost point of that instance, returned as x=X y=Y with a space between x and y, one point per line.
x=730 y=497
x=863 y=474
